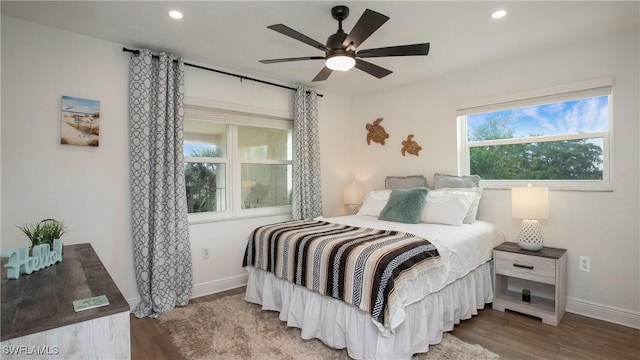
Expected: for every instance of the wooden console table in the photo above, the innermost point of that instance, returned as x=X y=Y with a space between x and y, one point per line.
x=38 y=320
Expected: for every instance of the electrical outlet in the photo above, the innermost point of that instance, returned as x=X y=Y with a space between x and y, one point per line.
x=205 y=252
x=585 y=263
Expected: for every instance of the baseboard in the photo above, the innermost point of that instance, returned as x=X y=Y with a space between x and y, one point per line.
x=206 y=288
x=133 y=302
x=217 y=286
x=601 y=312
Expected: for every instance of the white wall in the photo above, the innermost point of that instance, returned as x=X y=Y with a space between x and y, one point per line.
x=88 y=187
x=227 y=239
x=601 y=225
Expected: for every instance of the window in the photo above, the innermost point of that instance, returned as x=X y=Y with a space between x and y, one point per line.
x=266 y=168
x=205 y=167
x=557 y=139
x=236 y=164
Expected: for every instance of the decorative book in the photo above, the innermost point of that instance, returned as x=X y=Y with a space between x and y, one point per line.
x=90 y=303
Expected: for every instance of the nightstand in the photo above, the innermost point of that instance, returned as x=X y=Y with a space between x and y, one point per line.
x=529 y=269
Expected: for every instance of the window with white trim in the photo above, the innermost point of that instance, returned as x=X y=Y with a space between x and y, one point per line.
x=236 y=164
x=556 y=139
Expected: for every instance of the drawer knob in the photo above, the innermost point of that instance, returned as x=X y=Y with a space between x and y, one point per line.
x=530 y=267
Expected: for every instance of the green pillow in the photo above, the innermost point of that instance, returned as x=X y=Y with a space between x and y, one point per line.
x=405 y=205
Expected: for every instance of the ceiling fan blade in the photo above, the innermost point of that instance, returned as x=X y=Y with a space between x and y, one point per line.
x=368 y=23
x=285 y=30
x=402 y=50
x=323 y=74
x=273 y=61
x=372 y=69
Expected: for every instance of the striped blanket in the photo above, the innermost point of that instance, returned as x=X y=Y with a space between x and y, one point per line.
x=360 y=266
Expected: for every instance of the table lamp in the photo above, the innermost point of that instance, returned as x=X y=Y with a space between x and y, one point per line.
x=530 y=204
x=353 y=197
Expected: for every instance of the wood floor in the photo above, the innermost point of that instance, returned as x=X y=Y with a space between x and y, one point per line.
x=511 y=335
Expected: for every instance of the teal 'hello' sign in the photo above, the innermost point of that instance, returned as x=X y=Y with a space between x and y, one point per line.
x=21 y=263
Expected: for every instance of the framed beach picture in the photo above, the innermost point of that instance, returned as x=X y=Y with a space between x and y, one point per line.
x=80 y=121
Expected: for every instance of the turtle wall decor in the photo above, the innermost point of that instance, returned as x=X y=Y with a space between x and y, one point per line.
x=376 y=132
x=410 y=146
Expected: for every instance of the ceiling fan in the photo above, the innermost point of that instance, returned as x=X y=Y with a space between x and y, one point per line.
x=341 y=50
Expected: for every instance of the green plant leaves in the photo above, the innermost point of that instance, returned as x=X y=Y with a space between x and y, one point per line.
x=44 y=232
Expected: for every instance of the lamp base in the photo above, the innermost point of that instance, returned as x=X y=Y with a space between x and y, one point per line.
x=353 y=209
x=530 y=237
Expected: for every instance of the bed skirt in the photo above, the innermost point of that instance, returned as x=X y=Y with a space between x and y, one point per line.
x=340 y=325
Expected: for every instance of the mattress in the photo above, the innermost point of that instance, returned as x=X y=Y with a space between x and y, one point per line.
x=429 y=306
x=363 y=267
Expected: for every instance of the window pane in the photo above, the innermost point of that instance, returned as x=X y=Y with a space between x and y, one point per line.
x=204 y=139
x=264 y=143
x=567 y=117
x=580 y=159
x=206 y=187
x=265 y=185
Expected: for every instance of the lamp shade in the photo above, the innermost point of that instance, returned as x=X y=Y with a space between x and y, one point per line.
x=530 y=202
x=353 y=194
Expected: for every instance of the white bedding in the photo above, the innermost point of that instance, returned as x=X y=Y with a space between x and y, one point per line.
x=462 y=248
x=430 y=306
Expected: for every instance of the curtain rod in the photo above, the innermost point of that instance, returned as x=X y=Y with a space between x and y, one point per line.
x=242 y=77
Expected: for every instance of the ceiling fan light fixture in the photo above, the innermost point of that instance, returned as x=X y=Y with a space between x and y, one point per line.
x=341 y=50
x=340 y=62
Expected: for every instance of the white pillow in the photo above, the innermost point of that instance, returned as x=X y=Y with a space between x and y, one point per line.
x=446 y=207
x=374 y=202
x=470 y=218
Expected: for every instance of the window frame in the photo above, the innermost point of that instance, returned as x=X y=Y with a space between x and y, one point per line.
x=597 y=87
x=233 y=161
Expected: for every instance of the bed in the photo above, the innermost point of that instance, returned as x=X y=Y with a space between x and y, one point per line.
x=429 y=298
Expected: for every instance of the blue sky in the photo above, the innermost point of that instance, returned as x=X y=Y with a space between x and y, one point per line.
x=193 y=147
x=569 y=117
x=85 y=106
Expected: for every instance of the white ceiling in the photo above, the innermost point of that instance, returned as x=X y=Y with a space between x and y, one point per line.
x=232 y=35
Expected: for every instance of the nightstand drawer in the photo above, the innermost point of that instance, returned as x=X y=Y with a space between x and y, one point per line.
x=526 y=267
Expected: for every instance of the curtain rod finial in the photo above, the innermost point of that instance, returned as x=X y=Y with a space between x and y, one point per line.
x=135 y=52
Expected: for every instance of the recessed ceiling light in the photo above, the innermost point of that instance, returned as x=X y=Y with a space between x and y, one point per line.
x=499 y=14
x=175 y=14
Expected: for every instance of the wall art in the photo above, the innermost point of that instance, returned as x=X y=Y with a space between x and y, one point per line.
x=376 y=132
x=410 y=146
x=80 y=123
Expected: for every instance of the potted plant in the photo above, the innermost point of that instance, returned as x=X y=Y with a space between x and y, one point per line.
x=44 y=232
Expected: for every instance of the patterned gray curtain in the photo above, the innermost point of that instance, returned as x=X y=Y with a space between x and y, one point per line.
x=161 y=247
x=306 y=199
